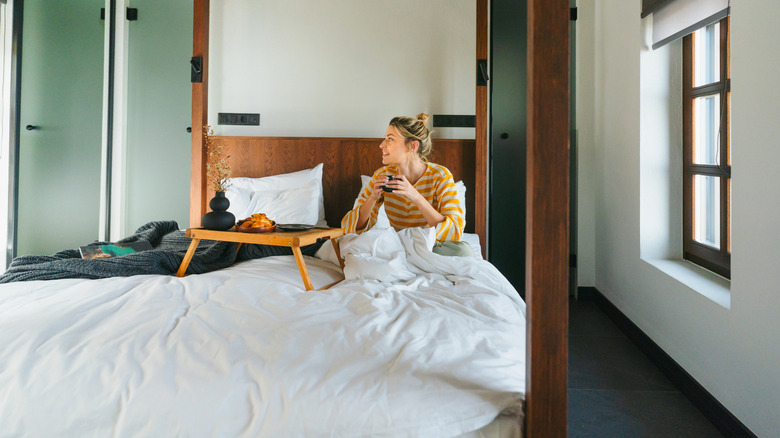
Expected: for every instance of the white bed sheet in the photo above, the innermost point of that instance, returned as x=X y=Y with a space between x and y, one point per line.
x=506 y=425
x=245 y=351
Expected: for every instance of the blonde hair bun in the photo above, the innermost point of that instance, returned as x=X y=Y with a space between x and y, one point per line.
x=423 y=118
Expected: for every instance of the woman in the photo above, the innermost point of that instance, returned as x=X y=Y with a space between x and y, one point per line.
x=415 y=192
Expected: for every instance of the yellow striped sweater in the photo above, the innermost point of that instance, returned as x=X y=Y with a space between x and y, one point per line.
x=436 y=185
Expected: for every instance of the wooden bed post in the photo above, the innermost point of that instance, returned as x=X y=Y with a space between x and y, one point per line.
x=480 y=194
x=200 y=97
x=547 y=209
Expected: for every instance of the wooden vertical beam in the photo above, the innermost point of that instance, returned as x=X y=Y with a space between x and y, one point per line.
x=480 y=194
x=547 y=223
x=200 y=109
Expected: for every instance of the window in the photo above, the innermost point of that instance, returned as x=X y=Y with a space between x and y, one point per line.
x=706 y=148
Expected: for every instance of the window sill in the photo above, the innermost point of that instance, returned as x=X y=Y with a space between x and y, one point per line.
x=706 y=283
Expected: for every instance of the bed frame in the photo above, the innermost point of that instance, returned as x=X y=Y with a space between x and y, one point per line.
x=547 y=205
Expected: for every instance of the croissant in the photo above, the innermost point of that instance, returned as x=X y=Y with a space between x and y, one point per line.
x=257 y=220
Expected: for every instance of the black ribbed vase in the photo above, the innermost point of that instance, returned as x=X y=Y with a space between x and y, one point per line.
x=218 y=218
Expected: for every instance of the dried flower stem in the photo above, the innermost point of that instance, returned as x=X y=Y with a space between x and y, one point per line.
x=217 y=165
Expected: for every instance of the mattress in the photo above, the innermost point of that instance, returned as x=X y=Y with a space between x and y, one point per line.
x=245 y=351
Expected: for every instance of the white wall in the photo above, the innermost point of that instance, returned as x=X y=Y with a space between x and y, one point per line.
x=732 y=348
x=317 y=68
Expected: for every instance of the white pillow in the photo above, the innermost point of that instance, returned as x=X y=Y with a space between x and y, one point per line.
x=242 y=189
x=377 y=254
x=473 y=241
x=239 y=200
x=460 y=190
x=383 y=222
x=294 y=206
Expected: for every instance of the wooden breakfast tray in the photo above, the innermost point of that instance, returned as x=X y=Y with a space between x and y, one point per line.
x=292 y=239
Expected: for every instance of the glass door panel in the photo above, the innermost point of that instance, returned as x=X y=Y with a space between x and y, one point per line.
x=159 y=110
x=706 y=210
x=61 y=125
x=706 y=119
x=706 y=49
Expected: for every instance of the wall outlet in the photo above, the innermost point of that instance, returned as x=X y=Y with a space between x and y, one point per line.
x=238 y=119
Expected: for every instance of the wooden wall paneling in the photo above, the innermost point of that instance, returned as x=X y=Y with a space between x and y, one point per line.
x=481 y=154
x=200 y=105
x=547 y=207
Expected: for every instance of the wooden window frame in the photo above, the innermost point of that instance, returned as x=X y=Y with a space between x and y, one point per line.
x=716 y=260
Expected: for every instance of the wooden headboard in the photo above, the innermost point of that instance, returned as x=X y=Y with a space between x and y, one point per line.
x=344 y=160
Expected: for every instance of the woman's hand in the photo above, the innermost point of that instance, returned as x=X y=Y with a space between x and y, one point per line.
x=402 y=186
x=379 y=182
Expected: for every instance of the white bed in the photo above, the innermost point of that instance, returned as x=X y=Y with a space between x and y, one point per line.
x=245 y=351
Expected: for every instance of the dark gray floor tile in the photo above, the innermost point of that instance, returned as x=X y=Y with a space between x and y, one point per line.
x=586 y=319
x=624 y=414
x=612 y=363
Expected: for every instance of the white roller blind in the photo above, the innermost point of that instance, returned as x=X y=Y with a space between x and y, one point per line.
x=679 y=18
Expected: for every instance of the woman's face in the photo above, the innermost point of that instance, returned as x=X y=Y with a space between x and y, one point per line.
x=394 y=147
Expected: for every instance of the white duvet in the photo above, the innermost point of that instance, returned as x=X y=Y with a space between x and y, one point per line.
x=245 y=351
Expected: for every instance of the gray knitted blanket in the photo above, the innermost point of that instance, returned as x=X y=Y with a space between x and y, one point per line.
x=169 y=246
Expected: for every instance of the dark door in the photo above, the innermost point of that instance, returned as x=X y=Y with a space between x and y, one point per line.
x=506 y=219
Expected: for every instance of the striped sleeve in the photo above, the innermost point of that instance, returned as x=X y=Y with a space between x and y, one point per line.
x=450 y=208
x=350 y=220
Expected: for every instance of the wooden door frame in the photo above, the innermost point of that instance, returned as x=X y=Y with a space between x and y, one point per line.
x=547 y=195
x=200 y=112
x=481 y=130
